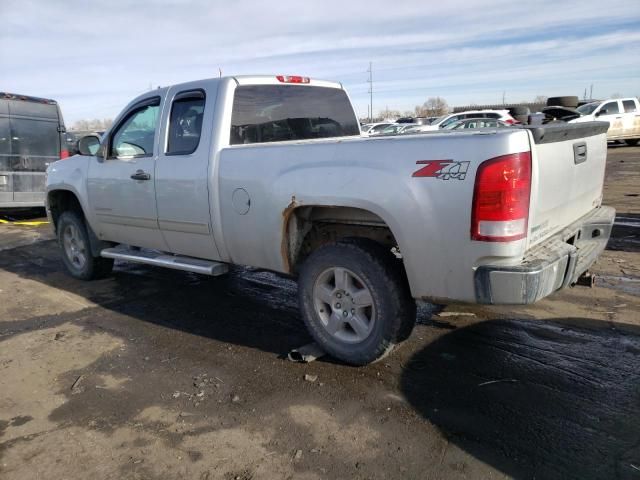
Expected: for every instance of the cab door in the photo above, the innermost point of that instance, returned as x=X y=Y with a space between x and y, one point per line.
x=630 y=119
x=121 y=179
x=183 y=173
x=610 y=112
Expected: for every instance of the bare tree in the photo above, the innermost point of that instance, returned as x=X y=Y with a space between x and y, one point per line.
x=615 y=95
x=388 y=114
x=95 y=125
x=433 y=107
x=540 y=99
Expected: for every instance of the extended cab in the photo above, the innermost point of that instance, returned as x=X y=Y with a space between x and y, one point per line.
x=272 y=172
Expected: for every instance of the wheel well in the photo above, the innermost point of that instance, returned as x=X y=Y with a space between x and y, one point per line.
x=60 y=201
x=309 y=227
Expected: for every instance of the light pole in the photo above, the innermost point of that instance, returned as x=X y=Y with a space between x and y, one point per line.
x=370 y=92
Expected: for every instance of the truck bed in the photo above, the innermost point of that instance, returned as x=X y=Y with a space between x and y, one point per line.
x=429 y=215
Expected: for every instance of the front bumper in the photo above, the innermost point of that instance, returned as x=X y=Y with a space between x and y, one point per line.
x=549 y=266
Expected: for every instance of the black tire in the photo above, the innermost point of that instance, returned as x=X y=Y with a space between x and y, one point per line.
x=93 y=267
x=632 y=142
x=519 y=110
x=384 y=278
x=568 y=101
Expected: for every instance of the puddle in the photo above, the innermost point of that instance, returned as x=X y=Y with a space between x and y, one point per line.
x=617 y=282
x=627 y=221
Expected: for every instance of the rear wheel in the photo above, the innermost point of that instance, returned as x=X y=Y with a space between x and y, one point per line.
x=355 y=300
x=633 y=142
x=76 y=251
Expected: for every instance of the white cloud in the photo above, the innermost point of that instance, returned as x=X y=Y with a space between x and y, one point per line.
x=95 y=56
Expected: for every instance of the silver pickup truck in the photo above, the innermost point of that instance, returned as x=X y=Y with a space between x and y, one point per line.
x=272 y=172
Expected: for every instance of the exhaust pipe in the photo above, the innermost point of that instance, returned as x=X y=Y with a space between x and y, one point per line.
x=587 y=279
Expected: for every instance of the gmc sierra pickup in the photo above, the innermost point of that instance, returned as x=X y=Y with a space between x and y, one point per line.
x=272 y=172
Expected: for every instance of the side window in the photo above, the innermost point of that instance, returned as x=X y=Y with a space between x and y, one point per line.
x=135 y=135
x=609 y=108
x=629 y=106
x=492 y=115
x=185 y=123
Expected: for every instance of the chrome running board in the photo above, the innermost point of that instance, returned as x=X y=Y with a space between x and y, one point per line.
x=161 y=259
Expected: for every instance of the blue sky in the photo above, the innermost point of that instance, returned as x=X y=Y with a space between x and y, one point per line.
x=94 y=57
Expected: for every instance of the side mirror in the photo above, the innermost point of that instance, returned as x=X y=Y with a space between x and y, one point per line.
x=89 y=145
x=601 y=112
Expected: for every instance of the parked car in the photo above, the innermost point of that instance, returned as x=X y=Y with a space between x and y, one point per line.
x=375 y=128
x=413 y=129
x=31 y=137
x=445 y=120
x=623 y=115
x=416 y=120
x=397 y=128
x=273 y=173
x=476 y=123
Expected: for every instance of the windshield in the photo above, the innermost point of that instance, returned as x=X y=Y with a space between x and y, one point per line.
x=393 y=129
x=588 y=108
x=438 y=120
x=379 y=128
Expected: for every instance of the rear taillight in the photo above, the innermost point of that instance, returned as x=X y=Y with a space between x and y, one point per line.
x=292 y=79
x=510 y=121
x=64 y=154
x=500 y=211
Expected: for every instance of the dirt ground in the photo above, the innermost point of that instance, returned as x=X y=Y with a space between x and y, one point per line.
x=157 y=374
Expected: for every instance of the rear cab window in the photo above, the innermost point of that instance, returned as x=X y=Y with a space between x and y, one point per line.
x=276 y=113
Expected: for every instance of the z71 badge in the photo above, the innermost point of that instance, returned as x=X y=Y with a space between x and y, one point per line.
x=442 y=169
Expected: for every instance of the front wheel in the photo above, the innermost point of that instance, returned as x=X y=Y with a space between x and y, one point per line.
x=76 y=251
x=355 y=300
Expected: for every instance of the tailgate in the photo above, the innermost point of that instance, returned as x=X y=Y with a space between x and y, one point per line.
x=570 y=160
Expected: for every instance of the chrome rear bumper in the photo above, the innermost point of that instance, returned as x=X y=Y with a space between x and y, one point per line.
x=554 y=264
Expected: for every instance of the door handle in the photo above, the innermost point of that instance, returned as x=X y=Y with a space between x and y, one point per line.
x=579 y=153
x=141 y=175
